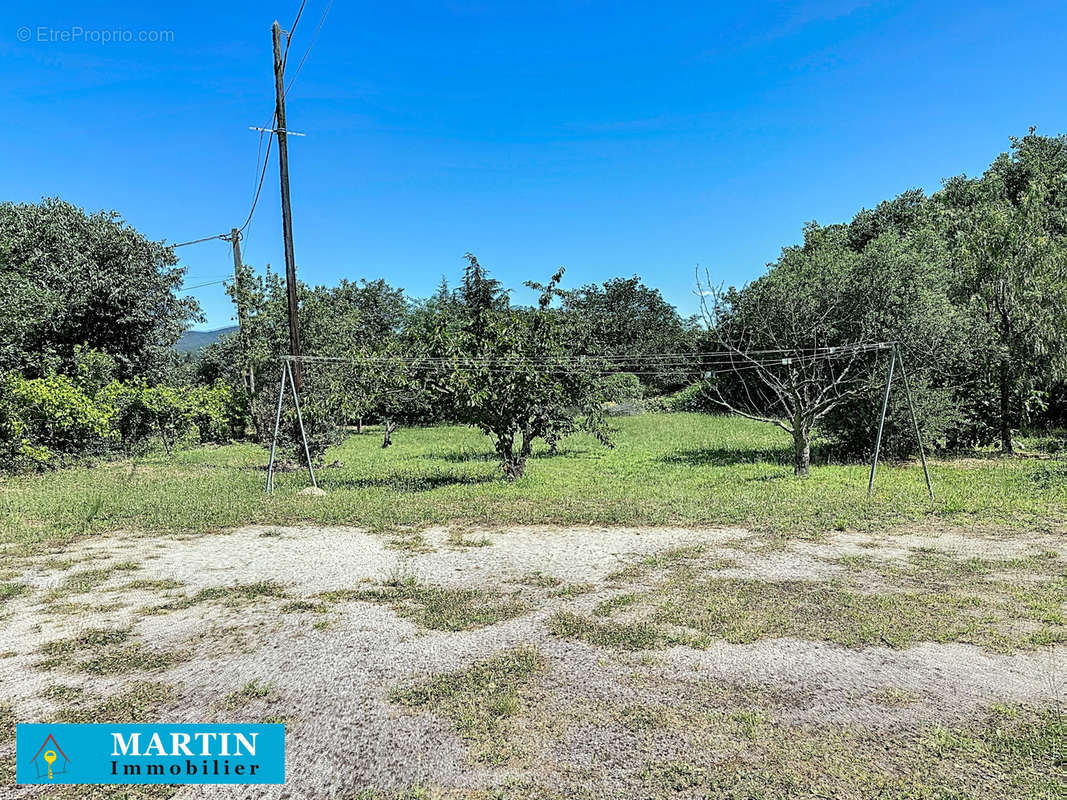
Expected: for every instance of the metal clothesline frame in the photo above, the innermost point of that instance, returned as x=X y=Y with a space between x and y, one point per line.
x=287 y=377
x=894 y=359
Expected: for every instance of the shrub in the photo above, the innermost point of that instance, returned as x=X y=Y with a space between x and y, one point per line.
x=849 y=430
x=694 y=397
x=138 y=410
x=320 y=410
x=621 y=387
x=131 y=422
x=50 y=419
x=93 y=369
x=219 y=413
x=169 y=414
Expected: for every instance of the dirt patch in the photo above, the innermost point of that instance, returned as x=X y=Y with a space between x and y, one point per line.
x=307 y=619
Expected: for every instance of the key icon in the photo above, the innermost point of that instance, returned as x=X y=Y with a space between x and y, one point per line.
x=50 y=757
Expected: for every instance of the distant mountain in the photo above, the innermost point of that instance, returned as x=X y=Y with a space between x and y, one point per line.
x=191 y=341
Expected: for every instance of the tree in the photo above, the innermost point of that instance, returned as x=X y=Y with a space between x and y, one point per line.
x=628 y=321
x=68 y=278
x=1007 y=231
x=816 y=296
x=511 y=379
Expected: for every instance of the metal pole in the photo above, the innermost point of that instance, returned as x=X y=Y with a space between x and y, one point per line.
x=277 y=423
x=915 y=423
x=881 y=422
x=300 y=421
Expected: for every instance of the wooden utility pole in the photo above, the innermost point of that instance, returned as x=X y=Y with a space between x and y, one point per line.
x=242 y=311
x=287 y=215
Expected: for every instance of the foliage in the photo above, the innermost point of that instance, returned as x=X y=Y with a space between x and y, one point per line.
x=46 y=421
x=50 y=421
x=1007 y=233
x=629 y=321
x=510 y=379
x=697 y=397
x=68 y=278
x=219 y=412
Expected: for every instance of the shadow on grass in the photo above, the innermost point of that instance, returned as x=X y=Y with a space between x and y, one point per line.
x=727 y=457
x=409 y=483
x=472 y=456
x=458 y=456
x=730 y=457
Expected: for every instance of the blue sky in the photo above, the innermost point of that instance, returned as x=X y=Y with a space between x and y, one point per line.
x=611 y=138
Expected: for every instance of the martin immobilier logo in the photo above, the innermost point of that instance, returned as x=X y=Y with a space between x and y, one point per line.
x=104 y=753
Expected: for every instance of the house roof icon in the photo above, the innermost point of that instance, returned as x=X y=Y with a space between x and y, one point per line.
x=59 y=765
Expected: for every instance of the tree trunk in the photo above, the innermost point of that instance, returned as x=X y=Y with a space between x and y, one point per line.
x=359 y=425
x=1006 y=445
x=515 y=463
x=389 y=428
x=801 y=452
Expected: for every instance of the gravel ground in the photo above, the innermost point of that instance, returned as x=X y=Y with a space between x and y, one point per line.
x=331 y=682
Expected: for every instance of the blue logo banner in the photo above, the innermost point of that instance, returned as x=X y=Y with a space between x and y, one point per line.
x=103 y=753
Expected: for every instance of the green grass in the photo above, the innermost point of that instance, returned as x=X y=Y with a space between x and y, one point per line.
x=438 y=608
x=87 y=580
x=250 y=692
x=105 y=652
x=1011 y=754
x=1000 y=605
x=480 y=700
x=232 y=595
x=9 y=590
x=665 y=469
x=139 y=702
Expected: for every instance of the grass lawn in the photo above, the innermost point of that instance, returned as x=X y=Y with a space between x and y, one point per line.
x=666 y=469
x=829 y=645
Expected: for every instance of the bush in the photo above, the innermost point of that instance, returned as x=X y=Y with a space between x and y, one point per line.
x=694 y=397
x=219 y=413
x=320 y=411
x=137 y=411
x=45 y=421
x=131 y=423
x=621 y=387
x=849 y=431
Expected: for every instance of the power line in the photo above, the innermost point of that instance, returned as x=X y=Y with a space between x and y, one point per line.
x=725 y=361
x=201 y=285
x=311 y=44
x=723 y=355
x=292 y=29
x=270 y=138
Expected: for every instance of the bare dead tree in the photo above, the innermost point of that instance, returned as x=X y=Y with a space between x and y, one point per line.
x=789 y=364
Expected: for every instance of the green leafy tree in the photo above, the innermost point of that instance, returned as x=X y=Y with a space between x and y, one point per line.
x=1007 y=231
x=70 y=279
x=511 y=379
x=818 y=295
x=632 y=323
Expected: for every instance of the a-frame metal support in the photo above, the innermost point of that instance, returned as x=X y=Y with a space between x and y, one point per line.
x=895 y=359
x=287 y=377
